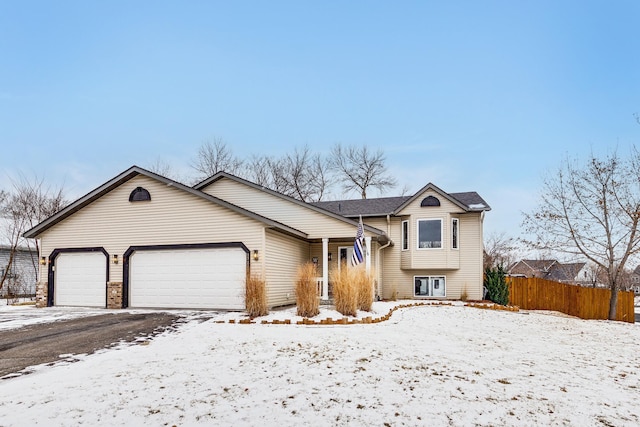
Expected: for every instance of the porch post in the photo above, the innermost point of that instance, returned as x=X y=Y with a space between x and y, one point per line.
x=325 y=268
x=367 y=255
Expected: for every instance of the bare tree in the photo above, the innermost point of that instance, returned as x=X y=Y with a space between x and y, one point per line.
x=593 y=210
x=301 y=174
x=28 y=203
x=257 y=170
x=214 y=156
x=359 y=169
x=499 y=251
x=305 y=175
x=163 y=168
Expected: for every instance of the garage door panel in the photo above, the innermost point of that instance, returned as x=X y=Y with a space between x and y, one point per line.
x=80 y=279
x=188 y=278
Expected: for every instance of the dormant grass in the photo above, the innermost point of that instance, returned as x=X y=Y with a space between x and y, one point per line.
x=256 y=297
x=464 y=295
x=352 y=290
x=364 y=283
x=307 y=299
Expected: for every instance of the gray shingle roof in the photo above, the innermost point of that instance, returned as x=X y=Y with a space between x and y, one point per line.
x=364 y=207
x=388 y=205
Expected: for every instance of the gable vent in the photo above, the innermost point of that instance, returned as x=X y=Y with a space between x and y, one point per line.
x=429 y=201
x=139 y=195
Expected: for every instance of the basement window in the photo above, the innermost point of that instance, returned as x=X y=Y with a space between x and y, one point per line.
x=430 y=286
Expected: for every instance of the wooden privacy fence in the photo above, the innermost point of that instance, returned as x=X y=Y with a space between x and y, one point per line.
x=586 y=303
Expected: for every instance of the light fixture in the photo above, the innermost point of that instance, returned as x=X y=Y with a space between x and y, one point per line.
x=256 y=255
x=43 y=261
x=329 y=257
x=314 y=260
x=114 y=258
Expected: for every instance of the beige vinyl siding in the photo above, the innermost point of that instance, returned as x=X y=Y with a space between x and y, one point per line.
x=315 y=224
x=444 y=257
x=172 y=216
x=400 y=267
x=283 y=255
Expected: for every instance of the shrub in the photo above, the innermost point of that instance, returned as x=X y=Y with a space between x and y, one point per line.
x=307 y=299
x=394 y=291
x=256 y=297
x=364 y=286
x=345 y=291
x=496 y=285
x=464 y=295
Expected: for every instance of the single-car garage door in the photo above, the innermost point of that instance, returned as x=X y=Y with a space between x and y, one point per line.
x=80 y=279
x=188 y=278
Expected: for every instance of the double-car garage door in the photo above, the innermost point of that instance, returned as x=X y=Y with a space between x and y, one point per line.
x=188 y=278
x=204 y=277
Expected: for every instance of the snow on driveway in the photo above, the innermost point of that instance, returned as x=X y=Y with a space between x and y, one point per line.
x=426 y=366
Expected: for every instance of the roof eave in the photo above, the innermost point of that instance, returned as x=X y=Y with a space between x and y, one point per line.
x=133 y=172
x=323 y=211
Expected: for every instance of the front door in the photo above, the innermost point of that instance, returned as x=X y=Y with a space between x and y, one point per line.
x=346 y=252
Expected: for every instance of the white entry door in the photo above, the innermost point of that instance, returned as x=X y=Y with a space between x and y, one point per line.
x=188 y=278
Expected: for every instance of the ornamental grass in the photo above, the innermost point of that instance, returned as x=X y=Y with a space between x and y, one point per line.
x=364 y=285
x=307 y=298
x=256 y=297
x=345 y=291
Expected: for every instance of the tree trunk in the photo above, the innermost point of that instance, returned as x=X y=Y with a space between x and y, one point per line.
x=7 y=268
x=613 y=302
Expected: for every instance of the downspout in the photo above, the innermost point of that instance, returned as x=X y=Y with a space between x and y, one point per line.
x=379 y=290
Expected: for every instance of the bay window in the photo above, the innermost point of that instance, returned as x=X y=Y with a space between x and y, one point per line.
x=454 y=233
x=429 y=233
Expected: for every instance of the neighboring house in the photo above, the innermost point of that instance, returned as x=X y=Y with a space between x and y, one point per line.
x=635 y=281
x=550 y=269
x=143 y=240
x=21 y=275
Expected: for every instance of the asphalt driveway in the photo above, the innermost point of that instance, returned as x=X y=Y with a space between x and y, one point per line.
x=55 y=341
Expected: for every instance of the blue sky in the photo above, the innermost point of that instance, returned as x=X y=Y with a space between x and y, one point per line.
x=472 y=96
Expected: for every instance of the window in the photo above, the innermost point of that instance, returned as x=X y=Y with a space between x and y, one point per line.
x=139 y=194
x=430 y=286
x=429 y=201
x=454 y=233
x=429 y=233
x=405 y=235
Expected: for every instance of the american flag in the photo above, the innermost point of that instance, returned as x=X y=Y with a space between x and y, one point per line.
x=358 y=245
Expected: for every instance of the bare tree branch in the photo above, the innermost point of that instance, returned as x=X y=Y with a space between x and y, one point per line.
x=593 y=210
x=499 y=251
x=359 y=169
x=214 y=156
x=163 y=168
x=28 y=203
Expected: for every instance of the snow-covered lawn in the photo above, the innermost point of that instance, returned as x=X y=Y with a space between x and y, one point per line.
x=434 y=365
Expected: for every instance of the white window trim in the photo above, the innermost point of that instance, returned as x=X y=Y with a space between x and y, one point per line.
x=455 y=241
x=434 y=276
x=405 y=235
x=418 y=234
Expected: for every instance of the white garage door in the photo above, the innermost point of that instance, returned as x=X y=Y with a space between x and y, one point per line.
x=80 y=279
x=188 y=278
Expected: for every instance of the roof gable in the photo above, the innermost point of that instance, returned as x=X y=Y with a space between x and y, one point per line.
x=469 y=201
x=130 y=174
x=220 y=177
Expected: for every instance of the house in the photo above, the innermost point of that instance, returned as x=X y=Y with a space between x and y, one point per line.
x=143 y=240
x=21 y=274
x=551 y=269
x=635 y=281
